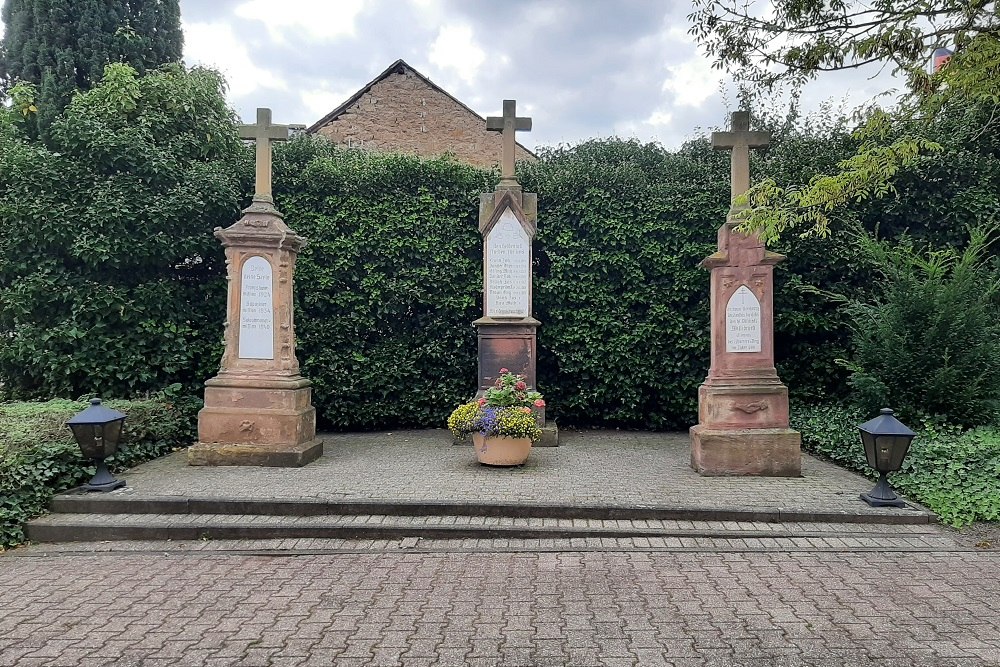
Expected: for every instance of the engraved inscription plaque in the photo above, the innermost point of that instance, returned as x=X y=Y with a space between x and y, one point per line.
x=743 y=321
x=256 y=310
x=508 y=269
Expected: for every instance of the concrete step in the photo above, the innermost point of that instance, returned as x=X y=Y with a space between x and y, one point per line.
x=78 y=526
x=127 y=502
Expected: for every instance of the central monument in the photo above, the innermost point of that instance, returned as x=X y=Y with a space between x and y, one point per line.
x=508 y=220
x=742 y=406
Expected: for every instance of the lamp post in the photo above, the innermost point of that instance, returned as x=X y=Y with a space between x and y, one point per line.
x=886 y=442
x=97 y=430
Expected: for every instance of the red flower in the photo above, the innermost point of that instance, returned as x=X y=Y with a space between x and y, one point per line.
x=526 y=411
x=482 y=402
x=520 y=386
x=539 y=403
x=504 y=370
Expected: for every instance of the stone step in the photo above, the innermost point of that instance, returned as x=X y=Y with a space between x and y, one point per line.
x=126 y=502
x=77 y=527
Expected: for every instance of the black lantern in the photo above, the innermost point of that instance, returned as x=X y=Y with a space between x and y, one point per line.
x=886 y=442
x=97 y=430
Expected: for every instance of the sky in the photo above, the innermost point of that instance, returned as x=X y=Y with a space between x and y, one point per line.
x=579 y=68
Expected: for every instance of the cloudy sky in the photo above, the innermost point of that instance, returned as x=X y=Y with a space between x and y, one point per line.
x=579 y=68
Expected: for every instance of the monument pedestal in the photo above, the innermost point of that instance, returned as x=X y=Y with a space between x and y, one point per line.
x=742 y=405
x=770 y=452
x=258 y=409
x=254 y=420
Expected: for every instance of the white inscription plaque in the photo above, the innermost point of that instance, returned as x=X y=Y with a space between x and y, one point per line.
x=256 y=310
x=508 y=268
x=743 y=322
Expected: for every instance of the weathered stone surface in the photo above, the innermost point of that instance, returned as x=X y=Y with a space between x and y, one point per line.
x=742 y=405
x=264 y=454
x=258 y=408
x=769 y=452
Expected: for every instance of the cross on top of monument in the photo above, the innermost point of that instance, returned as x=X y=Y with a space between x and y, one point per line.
x=264 y=132
x=740 y=140
x=507 y=125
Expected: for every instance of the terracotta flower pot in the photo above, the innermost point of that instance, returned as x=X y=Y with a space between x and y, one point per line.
x=501 y=451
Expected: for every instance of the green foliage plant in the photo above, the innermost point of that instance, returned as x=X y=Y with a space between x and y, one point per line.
x=790 y=42
x=928 y=342
x=39 y=458
x=63 y=46
x=955 y=472
x=109 y=271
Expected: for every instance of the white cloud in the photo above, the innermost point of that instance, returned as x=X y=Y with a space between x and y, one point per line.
x=455 y=49
x=317 y=19
x=321 y=101
x=216 y=45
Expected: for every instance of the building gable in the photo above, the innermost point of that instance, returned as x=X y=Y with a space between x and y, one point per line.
x=403 y=111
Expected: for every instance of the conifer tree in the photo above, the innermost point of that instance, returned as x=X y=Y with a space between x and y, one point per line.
x=62 y=46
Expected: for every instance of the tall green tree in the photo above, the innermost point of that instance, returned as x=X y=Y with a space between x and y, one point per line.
x=61 y=46
x=790 y=42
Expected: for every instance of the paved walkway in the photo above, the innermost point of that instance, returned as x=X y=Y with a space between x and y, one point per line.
x=517 y=609
x=593 y=468
x=635 y=591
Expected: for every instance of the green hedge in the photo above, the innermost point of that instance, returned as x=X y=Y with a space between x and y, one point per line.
x=123 y=291
x=39 y=458
x=952 y=471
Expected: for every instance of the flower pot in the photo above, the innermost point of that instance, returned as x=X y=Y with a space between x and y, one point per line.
x=501 y=451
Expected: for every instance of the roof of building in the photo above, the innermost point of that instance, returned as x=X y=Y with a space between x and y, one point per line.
x=398 y=67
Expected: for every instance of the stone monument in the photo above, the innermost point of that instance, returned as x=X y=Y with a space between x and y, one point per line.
x=742 y=405
x=258 y=409
x=508 y=220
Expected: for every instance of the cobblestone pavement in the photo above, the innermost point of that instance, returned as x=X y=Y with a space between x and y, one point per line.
x=606 y=468
x=395 y=607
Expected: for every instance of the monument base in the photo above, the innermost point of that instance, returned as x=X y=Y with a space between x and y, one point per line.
x=506 y=344
x=768 y=452
x=255 y=454
x=256 y=420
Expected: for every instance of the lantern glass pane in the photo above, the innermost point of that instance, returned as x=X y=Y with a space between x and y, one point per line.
x=90 y=438
x=868 y=440
x=112 y=434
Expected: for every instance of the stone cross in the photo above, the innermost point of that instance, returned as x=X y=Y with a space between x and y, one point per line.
x=507 y=125
x=740 y=140
x=264 y=133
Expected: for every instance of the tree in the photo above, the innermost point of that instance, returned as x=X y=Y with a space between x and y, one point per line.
x=62 y=46
x=110 y=278
x=796 y=41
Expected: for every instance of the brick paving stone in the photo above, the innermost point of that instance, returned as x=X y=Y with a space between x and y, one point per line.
x=637 y=607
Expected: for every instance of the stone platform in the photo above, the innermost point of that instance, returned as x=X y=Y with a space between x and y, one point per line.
x=599 y=484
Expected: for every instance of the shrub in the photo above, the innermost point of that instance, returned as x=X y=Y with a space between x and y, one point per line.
x=929 y=341
x=39 y=458
x=108 y=268
x=953 y=471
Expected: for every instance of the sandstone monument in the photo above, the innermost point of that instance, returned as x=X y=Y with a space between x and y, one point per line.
x=258 y=409
x=508 y=221
x=742 y=406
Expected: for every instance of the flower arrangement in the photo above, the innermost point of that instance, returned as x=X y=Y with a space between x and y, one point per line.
x=504 y=411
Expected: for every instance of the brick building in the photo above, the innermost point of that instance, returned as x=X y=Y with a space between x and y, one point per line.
x=401 y=110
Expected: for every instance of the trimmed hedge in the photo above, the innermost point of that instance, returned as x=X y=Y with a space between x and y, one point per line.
x=952 y=471
x=39 y=458
x=123 y=291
